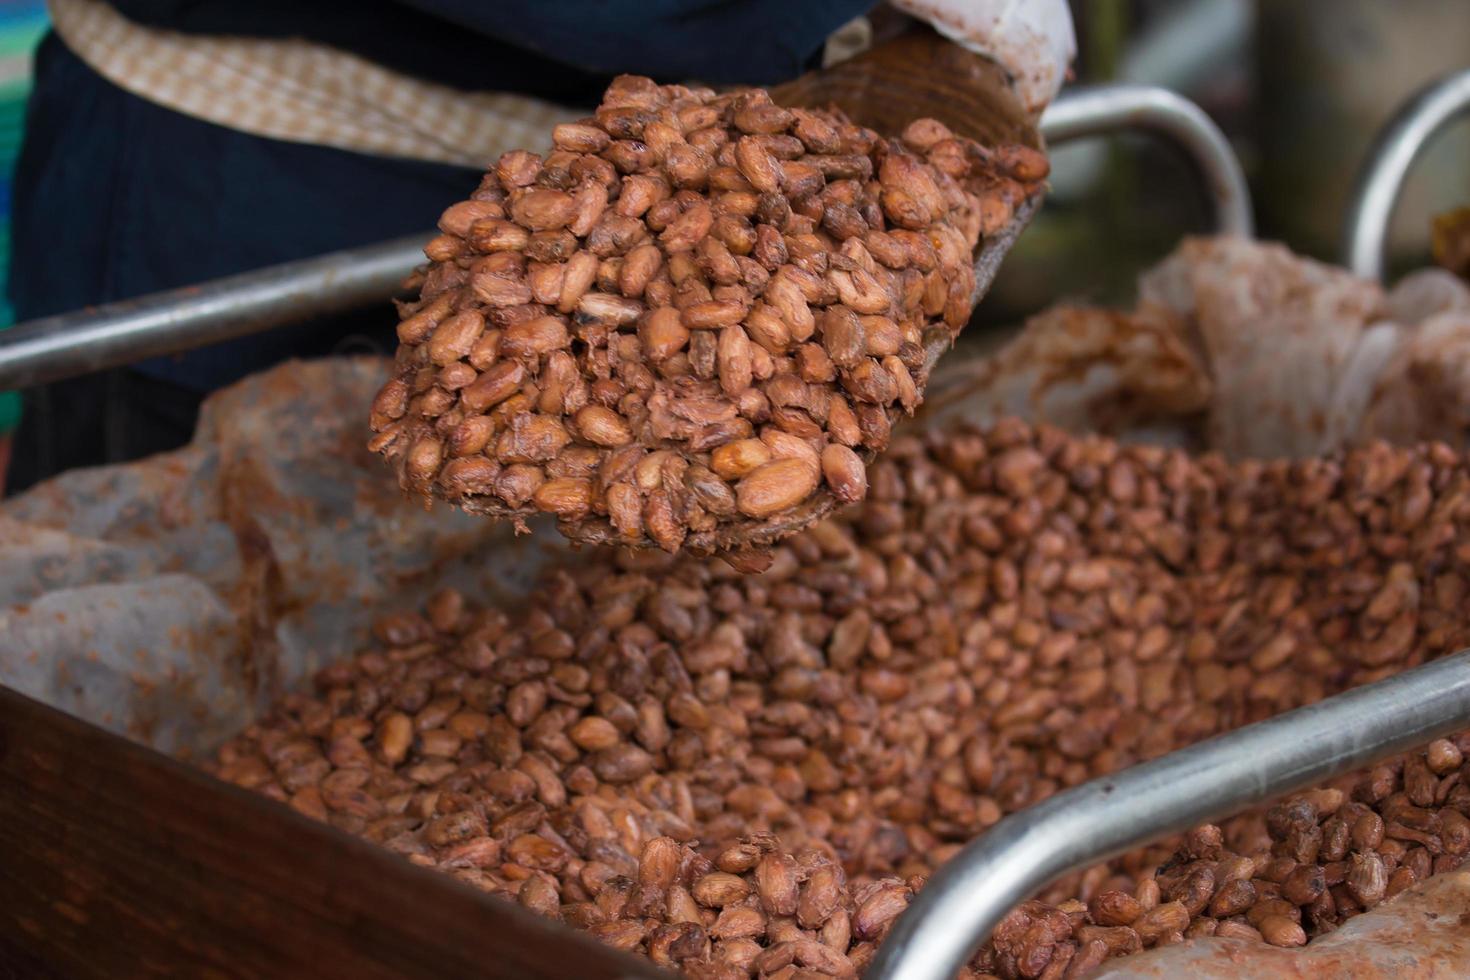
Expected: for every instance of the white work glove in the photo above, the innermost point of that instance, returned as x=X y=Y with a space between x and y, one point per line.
x=1033 y=40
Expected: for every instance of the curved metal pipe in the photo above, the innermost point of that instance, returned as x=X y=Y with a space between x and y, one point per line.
x=93 y=339
x=1096 y=110
x=955 y=912
x=1397 y=146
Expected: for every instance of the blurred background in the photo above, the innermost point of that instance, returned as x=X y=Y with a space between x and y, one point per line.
x=22 y=24
x=1300 y=86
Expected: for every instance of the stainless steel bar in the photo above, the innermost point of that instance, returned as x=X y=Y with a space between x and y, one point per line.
x=1398 y=145
x=1094 y=111
x=961 y=904
x=88 y=340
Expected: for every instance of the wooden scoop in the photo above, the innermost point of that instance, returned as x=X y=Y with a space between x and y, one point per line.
x=915 y=75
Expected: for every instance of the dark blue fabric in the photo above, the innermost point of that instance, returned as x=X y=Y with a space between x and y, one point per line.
x=757 y=41
x=487 y=44
x=116 y=197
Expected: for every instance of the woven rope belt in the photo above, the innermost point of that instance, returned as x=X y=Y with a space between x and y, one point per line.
x=303 y=92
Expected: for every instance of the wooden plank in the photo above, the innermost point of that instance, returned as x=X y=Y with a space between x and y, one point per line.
x=117 y=861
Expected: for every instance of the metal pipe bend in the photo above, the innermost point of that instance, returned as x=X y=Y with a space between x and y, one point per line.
x=1101 y=109
x=1397 y=146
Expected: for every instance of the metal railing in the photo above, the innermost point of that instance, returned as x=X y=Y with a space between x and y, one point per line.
x=84 y=341
x=1398 y=145
x=88 y=340
x=1104 y=109
x=955 y=912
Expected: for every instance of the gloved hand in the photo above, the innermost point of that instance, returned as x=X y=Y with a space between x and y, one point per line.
x=1033 y=40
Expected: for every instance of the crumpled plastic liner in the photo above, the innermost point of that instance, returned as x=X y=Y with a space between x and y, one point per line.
x=1243 y=348
x=1420 y=935
x=172 y=599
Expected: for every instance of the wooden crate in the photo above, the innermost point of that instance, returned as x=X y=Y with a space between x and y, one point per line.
x=117 y=861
